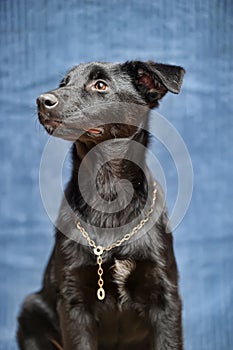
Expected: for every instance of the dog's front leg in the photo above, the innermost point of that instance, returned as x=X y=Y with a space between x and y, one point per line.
x=167 y=328
x=79 y=329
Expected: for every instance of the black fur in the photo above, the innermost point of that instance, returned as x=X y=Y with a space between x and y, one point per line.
x=142 y=308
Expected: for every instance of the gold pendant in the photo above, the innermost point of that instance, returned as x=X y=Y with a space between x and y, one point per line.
x=98 y=251
x=101 y=293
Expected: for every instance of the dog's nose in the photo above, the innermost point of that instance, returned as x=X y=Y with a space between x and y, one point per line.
x=48 y=101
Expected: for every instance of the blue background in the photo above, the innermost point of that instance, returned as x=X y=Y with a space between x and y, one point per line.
x=40 y=40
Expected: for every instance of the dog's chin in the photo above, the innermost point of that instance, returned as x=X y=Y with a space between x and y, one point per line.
x=63 y=132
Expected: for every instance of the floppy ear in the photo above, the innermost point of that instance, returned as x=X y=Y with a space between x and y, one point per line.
x=154 y=80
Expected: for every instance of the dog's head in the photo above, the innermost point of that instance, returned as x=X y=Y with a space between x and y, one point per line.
x=94 y=98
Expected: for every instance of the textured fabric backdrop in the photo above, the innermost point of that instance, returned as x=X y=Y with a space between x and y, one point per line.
x=40 y=40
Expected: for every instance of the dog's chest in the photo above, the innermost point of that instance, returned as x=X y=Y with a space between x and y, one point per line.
x=125 y=281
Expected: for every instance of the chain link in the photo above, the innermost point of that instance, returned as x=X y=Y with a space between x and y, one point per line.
x=99 y=250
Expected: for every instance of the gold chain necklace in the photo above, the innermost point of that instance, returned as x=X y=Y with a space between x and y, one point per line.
x=99 y=250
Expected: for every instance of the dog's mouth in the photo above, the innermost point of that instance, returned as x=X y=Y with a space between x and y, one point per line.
x=53 y=124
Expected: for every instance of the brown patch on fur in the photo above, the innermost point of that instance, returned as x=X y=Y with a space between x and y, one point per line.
x=121 y=272
x=58 y=346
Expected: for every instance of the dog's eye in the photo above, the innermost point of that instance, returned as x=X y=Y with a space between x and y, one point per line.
x=100 y=85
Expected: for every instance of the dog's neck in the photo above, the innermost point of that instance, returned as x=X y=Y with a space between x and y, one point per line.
x=119 y=158
x=110 y=167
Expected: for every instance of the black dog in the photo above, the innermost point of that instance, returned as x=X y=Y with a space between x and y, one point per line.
x=111 y=282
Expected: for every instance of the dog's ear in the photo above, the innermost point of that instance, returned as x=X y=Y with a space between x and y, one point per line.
x=154 y=80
